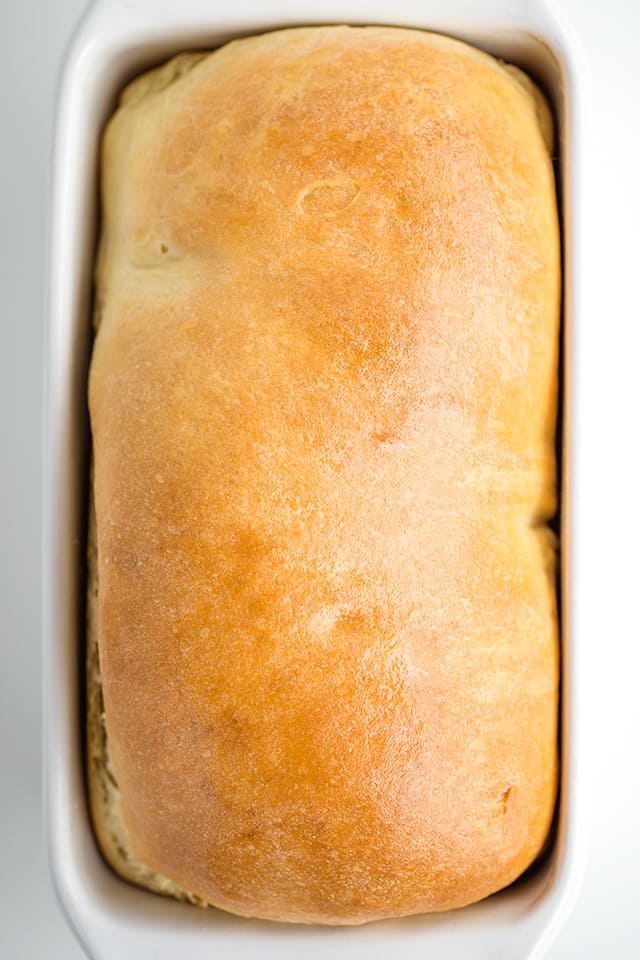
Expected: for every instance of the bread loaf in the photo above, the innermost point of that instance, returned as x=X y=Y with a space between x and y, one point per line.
x=323 y=403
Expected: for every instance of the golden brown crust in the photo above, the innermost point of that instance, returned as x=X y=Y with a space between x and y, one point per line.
x=323 y=400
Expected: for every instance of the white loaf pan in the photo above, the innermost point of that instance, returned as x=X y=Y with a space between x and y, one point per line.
x=117 y=39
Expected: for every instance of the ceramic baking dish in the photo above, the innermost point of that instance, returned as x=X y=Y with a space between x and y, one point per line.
x=117 y=39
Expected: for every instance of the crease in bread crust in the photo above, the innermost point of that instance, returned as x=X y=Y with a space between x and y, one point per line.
x=106 y=799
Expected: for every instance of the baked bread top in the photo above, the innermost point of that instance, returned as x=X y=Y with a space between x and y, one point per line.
x=323 y=400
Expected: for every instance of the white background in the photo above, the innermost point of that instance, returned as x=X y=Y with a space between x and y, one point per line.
x=606 y=919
